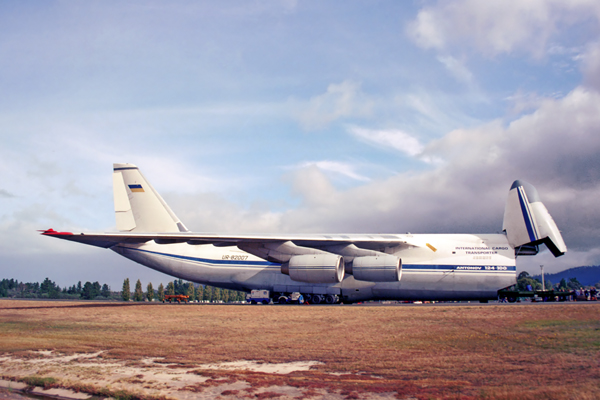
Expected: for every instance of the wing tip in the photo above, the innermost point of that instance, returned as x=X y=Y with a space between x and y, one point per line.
x=52 y=232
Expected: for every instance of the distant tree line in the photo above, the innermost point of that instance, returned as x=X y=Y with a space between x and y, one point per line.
x=50 y=290
x=526 y=282
x=93 y=290
x=178 y=286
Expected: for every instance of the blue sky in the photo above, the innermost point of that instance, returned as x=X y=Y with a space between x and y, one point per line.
x=295 y=116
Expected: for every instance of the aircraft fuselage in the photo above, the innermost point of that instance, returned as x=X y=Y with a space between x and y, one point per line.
x=433 y=267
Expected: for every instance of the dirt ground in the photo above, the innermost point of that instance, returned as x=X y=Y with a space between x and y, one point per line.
x=153 y=351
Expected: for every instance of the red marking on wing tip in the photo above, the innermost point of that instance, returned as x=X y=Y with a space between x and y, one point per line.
x=54 y=233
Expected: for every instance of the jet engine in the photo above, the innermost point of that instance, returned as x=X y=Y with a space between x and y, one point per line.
x=382 y=268
x=315 y=268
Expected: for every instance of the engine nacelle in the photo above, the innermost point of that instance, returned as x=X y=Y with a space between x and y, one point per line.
x=315 y=268
x=382 y=268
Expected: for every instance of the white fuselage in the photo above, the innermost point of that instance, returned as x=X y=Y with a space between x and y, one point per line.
x=434 y=267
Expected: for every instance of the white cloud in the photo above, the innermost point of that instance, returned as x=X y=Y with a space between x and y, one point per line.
x=336 y=167
x=591 y=65
x=211 y=212
x=390 y=138
x=341 y=100
x=524 y=101
x=425 y=30
x=315 y=189
x=499 y=26
x=457 y=69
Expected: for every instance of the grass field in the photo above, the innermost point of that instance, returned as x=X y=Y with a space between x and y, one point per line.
x=508 y=351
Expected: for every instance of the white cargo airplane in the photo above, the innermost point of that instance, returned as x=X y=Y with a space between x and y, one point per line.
x=326 y=268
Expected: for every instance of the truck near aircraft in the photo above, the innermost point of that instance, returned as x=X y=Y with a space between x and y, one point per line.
x=326 y=267
x=258 y=297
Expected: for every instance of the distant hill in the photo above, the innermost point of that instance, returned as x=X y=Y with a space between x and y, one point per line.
x=587 y=276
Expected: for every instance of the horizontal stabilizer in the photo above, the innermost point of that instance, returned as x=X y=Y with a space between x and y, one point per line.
x=527 y=222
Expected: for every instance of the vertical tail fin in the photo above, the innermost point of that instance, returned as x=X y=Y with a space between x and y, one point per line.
x=527 y=222
x=138 y=207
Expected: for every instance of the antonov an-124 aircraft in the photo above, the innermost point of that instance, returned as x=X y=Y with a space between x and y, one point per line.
x=326 y=268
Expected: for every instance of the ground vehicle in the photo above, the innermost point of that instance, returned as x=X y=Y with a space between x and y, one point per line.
x=291 y=298
x=258 y=296
x=176 y=297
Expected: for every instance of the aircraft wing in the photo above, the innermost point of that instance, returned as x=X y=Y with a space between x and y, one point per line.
x=107 y=240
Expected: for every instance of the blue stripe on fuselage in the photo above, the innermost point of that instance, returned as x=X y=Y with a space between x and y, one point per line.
x=405 y=267
x=204 y=260
x=466 y=268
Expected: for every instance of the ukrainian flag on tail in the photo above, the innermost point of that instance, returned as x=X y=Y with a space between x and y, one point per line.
x=136 y=188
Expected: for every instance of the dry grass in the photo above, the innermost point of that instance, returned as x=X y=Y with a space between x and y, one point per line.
x=497 y=352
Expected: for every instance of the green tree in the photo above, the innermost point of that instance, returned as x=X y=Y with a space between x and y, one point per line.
x=207 y=295
x=88 y=291
x=150 y=292
x=138 y=295
x=97 y=288
x=49 y=288
x=126 y=290
x=574 y=284
x=199 y=293
x=161 y=292
x=170 y=288
x=525 y=279
x=72 y=290
x=179 y=287
x=190 y=291
x=562 y=285
x=105 y=291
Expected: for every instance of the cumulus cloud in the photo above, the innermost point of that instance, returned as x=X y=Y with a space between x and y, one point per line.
x=390 y=138
x=557 y=142
x=211 y=212
x=498 y=26
x=555 y=148
x=341 y=100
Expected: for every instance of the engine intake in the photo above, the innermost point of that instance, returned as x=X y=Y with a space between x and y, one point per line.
x=377 y=268
x=315 y=268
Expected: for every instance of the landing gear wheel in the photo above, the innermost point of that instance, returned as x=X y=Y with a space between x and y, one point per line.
x=316 y=299
x=330 y=299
